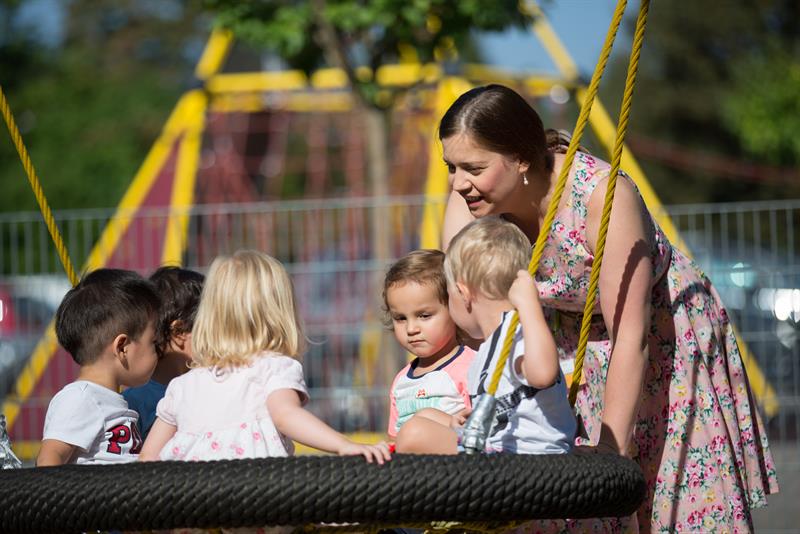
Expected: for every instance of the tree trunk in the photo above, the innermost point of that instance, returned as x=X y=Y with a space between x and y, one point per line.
x=377 y=130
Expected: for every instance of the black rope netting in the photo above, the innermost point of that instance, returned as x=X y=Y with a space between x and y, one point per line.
x=317 y=489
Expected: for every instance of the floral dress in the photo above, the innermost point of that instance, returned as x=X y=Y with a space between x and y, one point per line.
x=698 y=437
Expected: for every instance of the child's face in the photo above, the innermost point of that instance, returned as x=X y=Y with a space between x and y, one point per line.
x=461 y=315
x=142 y=358
x=422 y=324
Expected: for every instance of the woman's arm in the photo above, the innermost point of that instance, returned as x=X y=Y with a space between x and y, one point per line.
x=456 y=217
x=539 y=365
x=625 y=291
x=292 y=420
x=160 y=433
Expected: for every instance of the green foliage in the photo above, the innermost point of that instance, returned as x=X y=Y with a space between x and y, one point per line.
x=90 y=109
x=369 y=32
x=86 y=135
x=717 y=80
x=763 y=107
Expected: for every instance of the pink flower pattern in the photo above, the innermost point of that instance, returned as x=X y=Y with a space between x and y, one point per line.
x=699 y=440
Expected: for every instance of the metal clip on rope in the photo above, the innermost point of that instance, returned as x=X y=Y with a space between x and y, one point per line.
x=477 y=427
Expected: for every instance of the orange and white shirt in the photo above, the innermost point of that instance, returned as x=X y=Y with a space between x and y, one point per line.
x=444 y=388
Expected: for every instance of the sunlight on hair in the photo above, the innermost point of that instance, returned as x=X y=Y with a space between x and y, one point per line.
x=247 y=307
x=486 y=256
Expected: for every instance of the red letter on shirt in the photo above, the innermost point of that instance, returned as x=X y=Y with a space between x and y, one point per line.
x=119 y=434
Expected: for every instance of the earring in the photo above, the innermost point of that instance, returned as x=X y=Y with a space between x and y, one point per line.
x=524 y=179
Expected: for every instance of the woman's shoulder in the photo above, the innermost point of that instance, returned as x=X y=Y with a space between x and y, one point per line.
x=587 y=168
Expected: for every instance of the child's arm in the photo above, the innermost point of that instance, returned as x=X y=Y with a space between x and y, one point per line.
x=292 y=420
x=539 y=365
x=54 y=452
x=160 y=433
x=391 y=430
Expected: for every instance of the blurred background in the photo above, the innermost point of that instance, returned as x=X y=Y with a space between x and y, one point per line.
x=306 y=131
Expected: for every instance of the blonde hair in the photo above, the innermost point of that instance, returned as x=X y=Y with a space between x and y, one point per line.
x=247 y=306
x=486 y=256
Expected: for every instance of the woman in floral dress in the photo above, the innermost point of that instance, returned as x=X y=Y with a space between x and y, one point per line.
x=675 y=396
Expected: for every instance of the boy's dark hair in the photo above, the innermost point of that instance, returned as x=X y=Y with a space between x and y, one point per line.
x=180 y=295
x=104 y=304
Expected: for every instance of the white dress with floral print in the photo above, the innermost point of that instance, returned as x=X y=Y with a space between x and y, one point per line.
x=222 y=414
x=698 y=437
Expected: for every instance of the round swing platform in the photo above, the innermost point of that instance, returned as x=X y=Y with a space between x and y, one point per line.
x=319 y=490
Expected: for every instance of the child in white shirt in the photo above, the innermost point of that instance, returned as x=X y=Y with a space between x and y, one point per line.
x=244 y=396
x=106 y=323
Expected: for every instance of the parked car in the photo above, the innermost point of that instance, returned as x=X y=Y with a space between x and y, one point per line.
x=23 y=320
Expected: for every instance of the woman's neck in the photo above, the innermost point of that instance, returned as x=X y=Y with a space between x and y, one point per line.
x=529 y=215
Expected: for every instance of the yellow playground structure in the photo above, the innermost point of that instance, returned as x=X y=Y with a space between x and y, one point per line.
x=192 y=163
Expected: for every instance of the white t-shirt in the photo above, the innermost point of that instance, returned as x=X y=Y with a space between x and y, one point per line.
x=527 y=420
x=95 y=419
x=222 y=413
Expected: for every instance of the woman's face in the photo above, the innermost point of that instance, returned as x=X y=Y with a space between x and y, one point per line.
x=490 y=183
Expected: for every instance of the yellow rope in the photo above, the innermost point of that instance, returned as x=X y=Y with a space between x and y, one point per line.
x=544 y=230
x=37 y=190
x=622 y=127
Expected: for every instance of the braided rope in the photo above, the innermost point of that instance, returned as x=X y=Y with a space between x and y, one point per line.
x=27 y=164
x=622 y=127
x=478 y=493
x=544 y=230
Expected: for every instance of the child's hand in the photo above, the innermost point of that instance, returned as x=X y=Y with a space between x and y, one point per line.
x=379 y=452
x=458 y=420
x=523 y=291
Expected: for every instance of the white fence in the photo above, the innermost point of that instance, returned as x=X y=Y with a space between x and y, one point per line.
x=750 y=250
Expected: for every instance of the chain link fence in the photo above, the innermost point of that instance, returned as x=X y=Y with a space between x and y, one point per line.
x=751 y=250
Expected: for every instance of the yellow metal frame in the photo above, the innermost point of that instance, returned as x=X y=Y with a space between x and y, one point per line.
x=184 y=123
x=327 y=90
x=605 y=132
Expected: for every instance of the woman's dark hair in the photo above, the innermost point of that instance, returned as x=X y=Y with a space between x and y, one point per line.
x=500 y=120
x=180 y=291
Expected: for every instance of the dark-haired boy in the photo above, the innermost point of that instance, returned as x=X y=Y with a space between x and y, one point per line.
x=180 y=291
x=107 y=324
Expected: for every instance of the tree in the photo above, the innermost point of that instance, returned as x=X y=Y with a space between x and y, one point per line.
x=349 y=34
x=720 y=82
x=90 y=108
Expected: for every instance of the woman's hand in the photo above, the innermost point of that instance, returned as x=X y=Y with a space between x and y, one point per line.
x=378 y=453
x=601 y=448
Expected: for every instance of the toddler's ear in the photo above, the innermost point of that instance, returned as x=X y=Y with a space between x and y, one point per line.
x=177 y=327
x=465 y=293
x=120 y=347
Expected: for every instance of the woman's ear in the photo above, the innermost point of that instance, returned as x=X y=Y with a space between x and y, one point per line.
x=523 y=167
